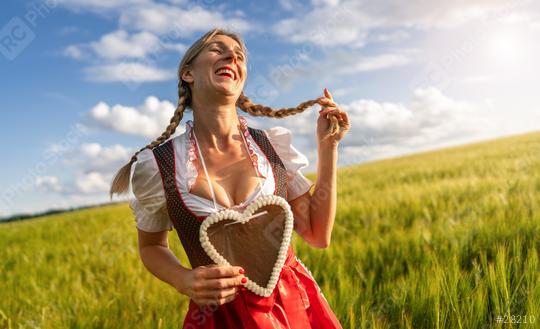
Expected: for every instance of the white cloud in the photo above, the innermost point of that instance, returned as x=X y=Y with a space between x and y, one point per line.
x=49 y=184
x=99 y=5
x=88 y=169
x=74 y=51
x=145 y=28
x=149 y=119
x=430 y=120
x=92 y=182
x=120 y=45
x=336 y=63
x=178 y=22
x=383 y=129
x=390 y=36
x=475 y=79
x=128 y=72
x=290 y=5
x=373 y=63
x=324 y=3
x=430 y=117
x=350 y=22
x=326 y=26
x=175 y=18
x=95 y=157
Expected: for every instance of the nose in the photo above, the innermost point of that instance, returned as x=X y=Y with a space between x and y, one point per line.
x=231 y=54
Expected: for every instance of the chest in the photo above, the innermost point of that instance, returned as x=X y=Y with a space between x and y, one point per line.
x=232 y=177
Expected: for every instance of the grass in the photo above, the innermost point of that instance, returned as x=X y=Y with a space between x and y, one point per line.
x=441 y=239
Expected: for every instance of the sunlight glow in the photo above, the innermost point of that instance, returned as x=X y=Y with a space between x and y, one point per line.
x=509 y=47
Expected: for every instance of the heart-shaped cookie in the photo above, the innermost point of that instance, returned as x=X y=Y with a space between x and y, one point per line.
x=256 y=239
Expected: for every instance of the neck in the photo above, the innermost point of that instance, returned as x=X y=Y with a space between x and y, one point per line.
x=216 y=126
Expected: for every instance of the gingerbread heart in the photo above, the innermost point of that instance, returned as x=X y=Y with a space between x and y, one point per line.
x=256 y=239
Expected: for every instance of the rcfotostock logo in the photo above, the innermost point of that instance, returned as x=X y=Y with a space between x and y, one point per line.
x=15 y=36
x=273 y=232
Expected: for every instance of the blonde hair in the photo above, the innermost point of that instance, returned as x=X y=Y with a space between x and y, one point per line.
x=120 y=182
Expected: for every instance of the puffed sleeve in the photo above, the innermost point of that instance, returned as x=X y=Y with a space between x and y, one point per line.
x=149 y=205
x=293 y=160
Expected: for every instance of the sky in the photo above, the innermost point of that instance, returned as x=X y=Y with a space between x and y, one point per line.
x=86 y=83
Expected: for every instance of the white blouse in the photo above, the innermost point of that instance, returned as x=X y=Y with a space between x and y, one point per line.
x=149 y=205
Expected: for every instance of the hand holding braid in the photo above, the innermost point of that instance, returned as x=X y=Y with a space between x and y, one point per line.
x=331 y=111
x=246 y=105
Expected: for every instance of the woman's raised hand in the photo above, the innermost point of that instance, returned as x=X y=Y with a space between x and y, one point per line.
x=333 y=122
x=212 y=285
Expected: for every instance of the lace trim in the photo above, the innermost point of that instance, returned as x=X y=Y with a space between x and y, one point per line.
x=192 y=155
x=252 y=153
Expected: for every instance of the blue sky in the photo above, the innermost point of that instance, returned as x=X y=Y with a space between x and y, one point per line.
x=413 y=76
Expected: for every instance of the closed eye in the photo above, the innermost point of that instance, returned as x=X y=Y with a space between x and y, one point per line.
x=239 y=54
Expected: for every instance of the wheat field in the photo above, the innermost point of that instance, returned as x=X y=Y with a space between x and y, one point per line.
x=440 y=239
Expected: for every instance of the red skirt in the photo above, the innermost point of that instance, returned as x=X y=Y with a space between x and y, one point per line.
x=296 y=302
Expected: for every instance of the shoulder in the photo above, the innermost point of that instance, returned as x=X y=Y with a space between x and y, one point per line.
x=172 y=146
x=149 y=205
x=145 y=159
x=293 y=160
x=278 y=131
x=170 y=143
x=281 y=139
x=279 y=136
x=146 y=166
x=143 y=169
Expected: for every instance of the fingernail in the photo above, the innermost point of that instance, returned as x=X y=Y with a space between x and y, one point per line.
x=241 y=271
x=244 y=280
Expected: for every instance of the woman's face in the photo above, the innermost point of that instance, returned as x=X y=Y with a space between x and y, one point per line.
x=220 y=67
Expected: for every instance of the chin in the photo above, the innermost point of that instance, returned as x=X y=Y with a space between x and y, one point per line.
x=229 y=90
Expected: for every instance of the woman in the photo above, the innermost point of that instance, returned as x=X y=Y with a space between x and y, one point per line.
x=220 y=162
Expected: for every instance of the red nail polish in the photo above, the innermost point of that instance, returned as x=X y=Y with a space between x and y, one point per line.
x=244 y=280
x=241 y=271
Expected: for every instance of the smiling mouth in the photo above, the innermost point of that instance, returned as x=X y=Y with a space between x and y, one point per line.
x=226 y=76
x=228 y=73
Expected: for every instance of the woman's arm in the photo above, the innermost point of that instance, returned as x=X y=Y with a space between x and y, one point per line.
x=314 y=214
x=205 y=285
x=159 y=259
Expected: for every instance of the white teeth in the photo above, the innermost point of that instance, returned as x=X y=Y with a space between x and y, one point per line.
x=226 y=71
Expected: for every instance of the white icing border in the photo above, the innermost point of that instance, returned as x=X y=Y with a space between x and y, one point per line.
x=244 y=217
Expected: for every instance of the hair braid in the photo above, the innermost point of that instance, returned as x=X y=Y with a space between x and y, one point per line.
x=120 y=183
x=246 y=105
